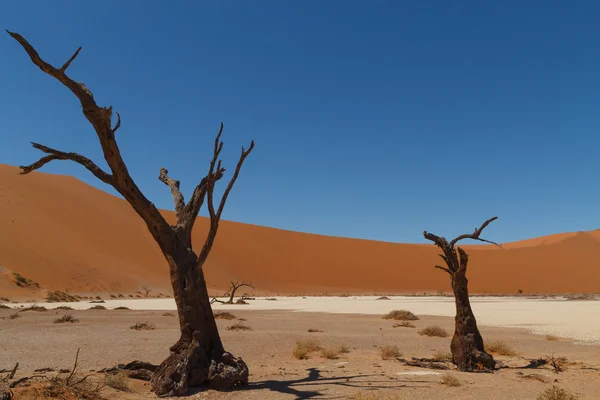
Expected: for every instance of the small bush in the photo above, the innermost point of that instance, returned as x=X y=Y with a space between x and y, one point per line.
x=142 y=326
x=501 y=348
x=383 y=298
x=224 y=315
x=343 y=349
x=97 y=307
x=403 y=324
x=434 y=331
x=117 y=381
x=238 y=326
x=442 y=355
x=556 y=393
x=450 y=380
x=552 y=338
x=66 y=318
x=21 y=281
x=330 y=353
x=388 y=352
x=34 y=307
x=558 y=364
x=305 y=347
x=66 y=308
x=312 y=330
x=57 y=296
x=122 y=308
x=168 y=314
x=401 y=315
x=4 y=306
x=4 y=299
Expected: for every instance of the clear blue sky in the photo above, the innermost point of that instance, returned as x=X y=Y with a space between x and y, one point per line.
x=372 y=119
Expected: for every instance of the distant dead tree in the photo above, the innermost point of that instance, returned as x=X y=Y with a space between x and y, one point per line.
x=198 y=358
x=467 y=348
x=231 y=292
x=146 y=290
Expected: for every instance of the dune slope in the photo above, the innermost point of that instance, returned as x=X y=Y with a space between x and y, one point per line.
x=65 y=234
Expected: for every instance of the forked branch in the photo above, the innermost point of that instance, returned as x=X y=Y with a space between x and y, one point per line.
x=475 y=235
x=175 y=192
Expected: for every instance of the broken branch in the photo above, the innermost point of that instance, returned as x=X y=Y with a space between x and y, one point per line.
x=475 y=235
x=175 y=192
x=70 y=60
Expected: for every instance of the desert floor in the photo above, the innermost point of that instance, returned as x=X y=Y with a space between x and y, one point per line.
x=105 y=339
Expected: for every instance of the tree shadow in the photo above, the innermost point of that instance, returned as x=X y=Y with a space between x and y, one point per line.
x=294 y=386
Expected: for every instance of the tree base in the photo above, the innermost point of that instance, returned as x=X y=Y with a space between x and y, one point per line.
x=188 y=368
x=467 y=357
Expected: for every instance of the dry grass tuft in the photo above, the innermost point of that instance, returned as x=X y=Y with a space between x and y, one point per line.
x=450 y=380
x=168 y=314
x=403 y=324
x=434 y=331
x=4 y=306
x=558 y=364
x=122 y=308
x=239 y=326
x=117 y=381
x=389 y=351
x=66 y=318
x=224 y=315
x=343 y=349
x=501 y=348
x=552 y=338
x=312 y=330
x=330 y=353
x=556 y=393
x=305 y=347
x=142 y=326
x=66 y=308
x=401 y=315
x=21 y=281
x=57 y=296
x=34 y=307
x=443 y=356
x=97 y=307
x=383 y=298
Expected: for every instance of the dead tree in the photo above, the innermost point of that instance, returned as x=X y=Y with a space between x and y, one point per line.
x=198 y=358
x=146 y=290
x=468 y=353
x=234 y=287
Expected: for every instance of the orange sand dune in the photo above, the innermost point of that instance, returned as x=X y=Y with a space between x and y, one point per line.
x=65 y=234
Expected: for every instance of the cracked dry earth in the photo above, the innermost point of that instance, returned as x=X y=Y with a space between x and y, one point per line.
x=105 y=339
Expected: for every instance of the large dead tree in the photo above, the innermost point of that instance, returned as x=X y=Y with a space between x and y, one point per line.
x=468 y=353
x=198 y=358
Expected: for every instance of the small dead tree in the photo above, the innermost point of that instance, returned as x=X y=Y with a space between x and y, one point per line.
x=146 y=290
x=231 y=292
x=467 y=349
x=198 y=358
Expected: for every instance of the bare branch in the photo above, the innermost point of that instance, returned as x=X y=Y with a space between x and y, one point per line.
x=444 y=269
x=14 y=371
x=234 y=287
x=464 y=258
x=175 y=192
x=118 y=124
x=70 y=60
x=475 y=235
x=60 y=155
x=245 y=154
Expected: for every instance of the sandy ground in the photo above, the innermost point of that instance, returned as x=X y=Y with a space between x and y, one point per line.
x=105 y=339
x=64 y=234
x=579 y=320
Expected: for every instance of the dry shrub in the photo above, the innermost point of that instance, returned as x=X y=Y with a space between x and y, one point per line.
x=450 y=380
x=552 y=338
x=21 y=281
x=14 y=316
x=117 y=381
x=34 y=307
x=330 y=353
x=4 y=306
x=305 y=347
x=122 y=308
x=401 y=315
x=403 y=324
x=57 y=296
x=4 y=299
x=97 y=307
x=224 y=315
x=238 y=326
x=556 y=393
x=66 y=308
x=434 y=331
x=142 y=326
x=72 y=385
x=66 y=318
x=312 y=330
x=499 y=347
x=168 y=314
x=442 y=355
x=558 y=364
x=383 y=298
x=343 y=349
x=390 y=351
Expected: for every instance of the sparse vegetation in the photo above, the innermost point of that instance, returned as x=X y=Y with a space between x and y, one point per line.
x=305 y=347
x=450 y=380
x=117 y=381
x=146 y=290
x=238 y=326
x=122 y=308
x=223 y=315
x=500 y=347
x=97 y=307
x=14 y=316
x=142 y=326
x=401 y=315
x=343 y=349
x=4 y=306
x=383 y=298
x=389 y=352
x=66 y=308
x=312 y=330
x=66 y=318
x=4 y=299
x=34 y=307
x=57 y=296
x=558 y=364
x=168 y=314
x=403 y=324
x=434 y=331
x=552 y=338
x=330 y=353
x=443 y=356
x=23 y=282
x=556 y=393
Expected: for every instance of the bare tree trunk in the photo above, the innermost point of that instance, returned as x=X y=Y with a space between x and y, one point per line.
x=198 y=357
x=467 y=348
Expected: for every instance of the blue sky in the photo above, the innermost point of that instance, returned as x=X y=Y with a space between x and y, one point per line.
x=374 y=120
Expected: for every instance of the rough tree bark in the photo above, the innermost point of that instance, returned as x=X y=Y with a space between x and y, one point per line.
x=198 y=358
x=468 y=352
